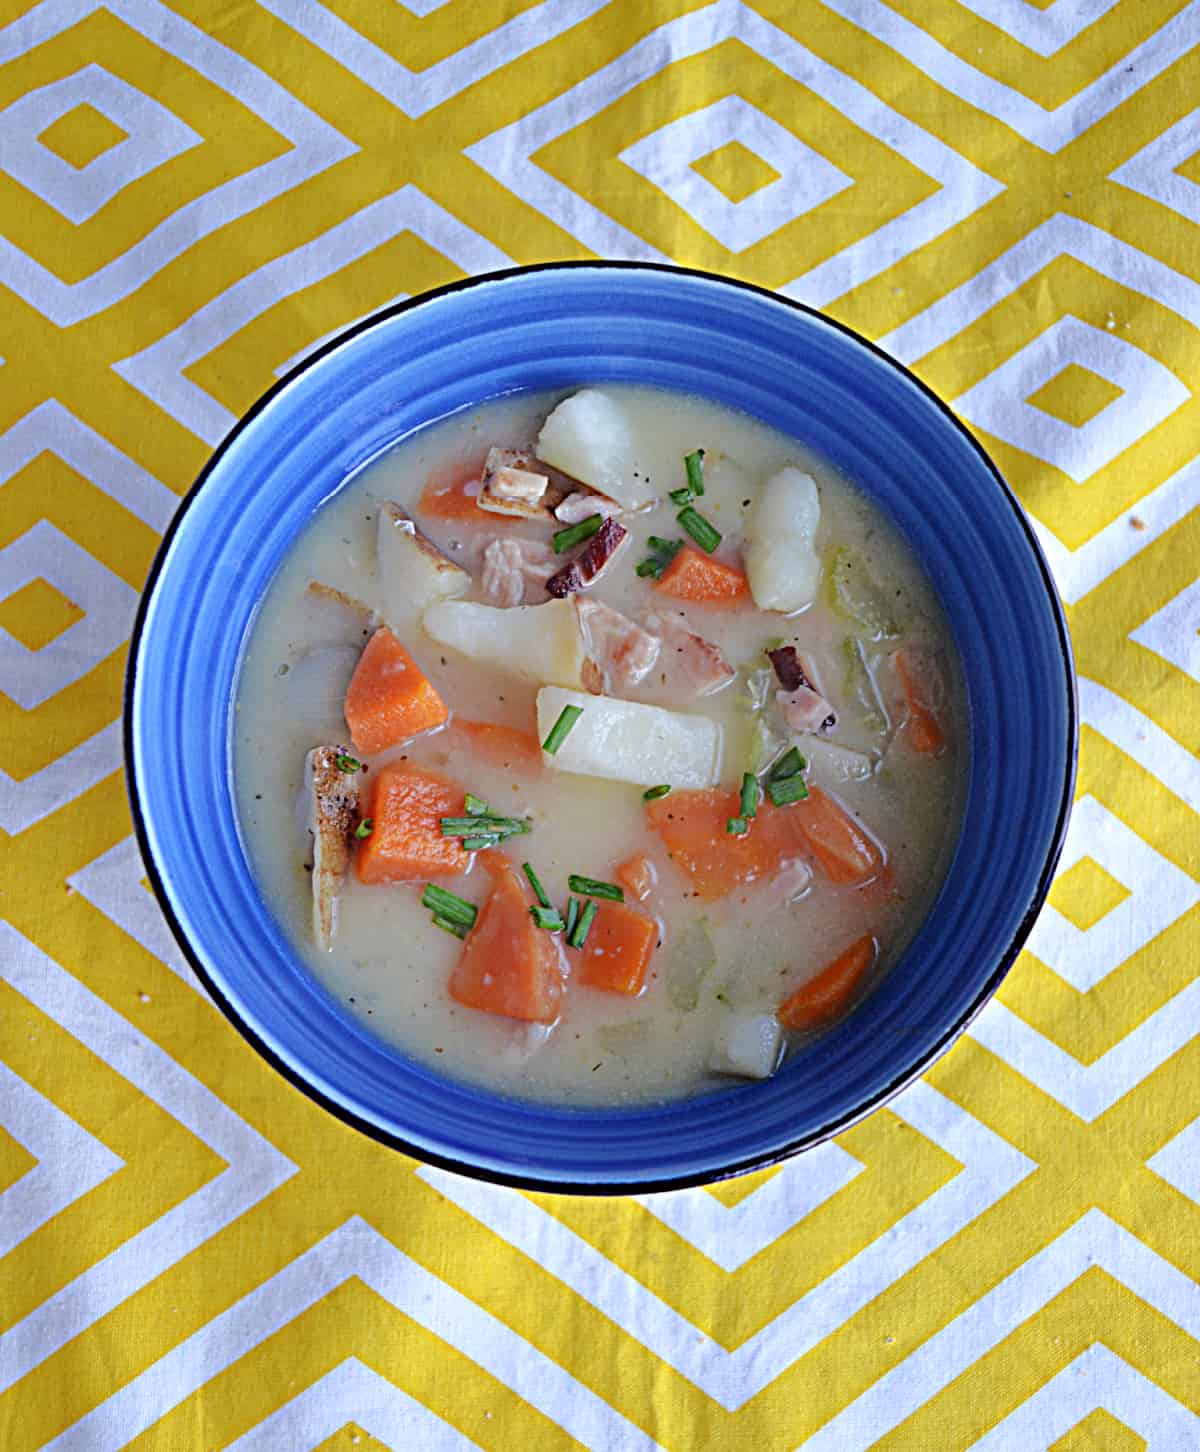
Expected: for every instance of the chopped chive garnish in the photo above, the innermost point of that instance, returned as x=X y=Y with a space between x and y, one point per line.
x=535 y=882
x=567 y=539
x=479 y=844
x=665 y=551
x=460 y=930
x=694 y=464
x=705 y=535
x=476 y=806
x=650 y=567
x=736 y=826
x=483 y=826
x=583 y=927
x=561 y=728
x=348 y=763
x=791 y=763
x=652 y=794
x=593 y=887
x=449 y=905
x=680 y=496
x=548 y=918
x=663 y=546
x=572 y=915
x=365 y=828
x=789 y=789
x=750 y=794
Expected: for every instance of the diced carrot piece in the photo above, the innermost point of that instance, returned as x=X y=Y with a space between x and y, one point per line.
x=509 y=966
x=388 y=699
x=922 y=728
x=692 y=825
x=637 y=876
x=506 y=746
x=842 y=849
x=617 y=951
x=406 y=842
x=693 y=575
x=822 y=998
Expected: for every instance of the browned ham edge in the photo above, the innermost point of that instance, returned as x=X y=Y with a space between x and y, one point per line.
x=590 y=561
x=332 y=802
x=804 y=707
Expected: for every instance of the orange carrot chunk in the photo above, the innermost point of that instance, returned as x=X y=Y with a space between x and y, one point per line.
x=388 y=699
x=822 y=998
x=617 y=951
x=918 y=686
x=693 y=827
x=693 y=575
x=509 y=966
x=637 y=876
x=406 y=842
x=840 y=847
x=505 y=746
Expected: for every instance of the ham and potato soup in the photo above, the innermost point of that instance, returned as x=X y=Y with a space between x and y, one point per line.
x=599 y=747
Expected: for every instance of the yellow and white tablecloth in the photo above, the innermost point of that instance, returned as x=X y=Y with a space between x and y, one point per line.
x=1006 y=194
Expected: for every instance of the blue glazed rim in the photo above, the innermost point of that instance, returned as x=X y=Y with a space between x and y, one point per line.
x=917 y=1045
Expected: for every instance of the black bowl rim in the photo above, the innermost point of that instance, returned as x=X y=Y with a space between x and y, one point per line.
x=651 y=1185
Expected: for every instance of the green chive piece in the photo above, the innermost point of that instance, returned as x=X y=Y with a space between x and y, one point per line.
x=365 y=828
x=652 y=794
x=535 y=882
x=663 y=546
x=694 y=464
x=572 y=915
x=680 y=496
x=705 y=535
x=736 y=826
x=750 y=794
x=548 y=918
x=449 y=905
x=593 y=887
x=583 y=927
x=476 y=806
x=791 y=763
x=789 y=789
x=649 y=567
x=561 y=728
x=479 y=844
x=348 y=763
x=460 y=930
x=567 y=539
x=488 y=826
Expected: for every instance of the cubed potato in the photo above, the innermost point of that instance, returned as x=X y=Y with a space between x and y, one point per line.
x=781 y=561
x=746 y=1044
x=591 y=437
x=627 y=741
x=538 y=643
x=413 y=572
x=511 y=485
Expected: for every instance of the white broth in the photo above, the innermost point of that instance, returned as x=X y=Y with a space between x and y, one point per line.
x=720 y=967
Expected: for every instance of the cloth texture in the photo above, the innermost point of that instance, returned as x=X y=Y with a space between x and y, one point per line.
x=1005 y=194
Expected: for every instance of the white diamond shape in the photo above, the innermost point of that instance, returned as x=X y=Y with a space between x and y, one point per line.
x=1150 y=394
x=1174 y=631
x=1159 y=894
x=154 y=136
x=1151 y=171
x=805 y=178
x=30 y=677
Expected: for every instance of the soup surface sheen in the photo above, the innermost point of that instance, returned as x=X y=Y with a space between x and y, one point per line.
x=718 y=962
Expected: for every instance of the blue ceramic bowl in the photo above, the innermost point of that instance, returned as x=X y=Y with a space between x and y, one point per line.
x=550 y=327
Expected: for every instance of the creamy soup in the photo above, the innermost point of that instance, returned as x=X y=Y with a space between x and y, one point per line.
x=756 y=746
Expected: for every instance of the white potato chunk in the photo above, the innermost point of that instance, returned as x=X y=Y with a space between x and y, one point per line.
x=781 y=560
x=591 y=437
x=835 y=764
x=626 y=741
x=746 y=1044
x=539 y=643
x=511 y=486
x=413 y=572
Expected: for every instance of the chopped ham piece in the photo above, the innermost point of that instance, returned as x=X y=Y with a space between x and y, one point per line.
x=332 y=802
x=512 y=485
x=513 y=569
x=807 y=711
x=581 y=505
x=623 y=651
x=590 y=561
x=696 y=660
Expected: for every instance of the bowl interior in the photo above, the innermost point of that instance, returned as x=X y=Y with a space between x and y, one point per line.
x=548 y=328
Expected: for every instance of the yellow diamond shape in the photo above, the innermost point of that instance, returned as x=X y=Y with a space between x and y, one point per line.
x=735 y=171
x=37 y=614
x=1099 y=1431
x=81 y=136
x=1075 y=395
x=1189 y=170
x=1086 y=894
x=15 y=1160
